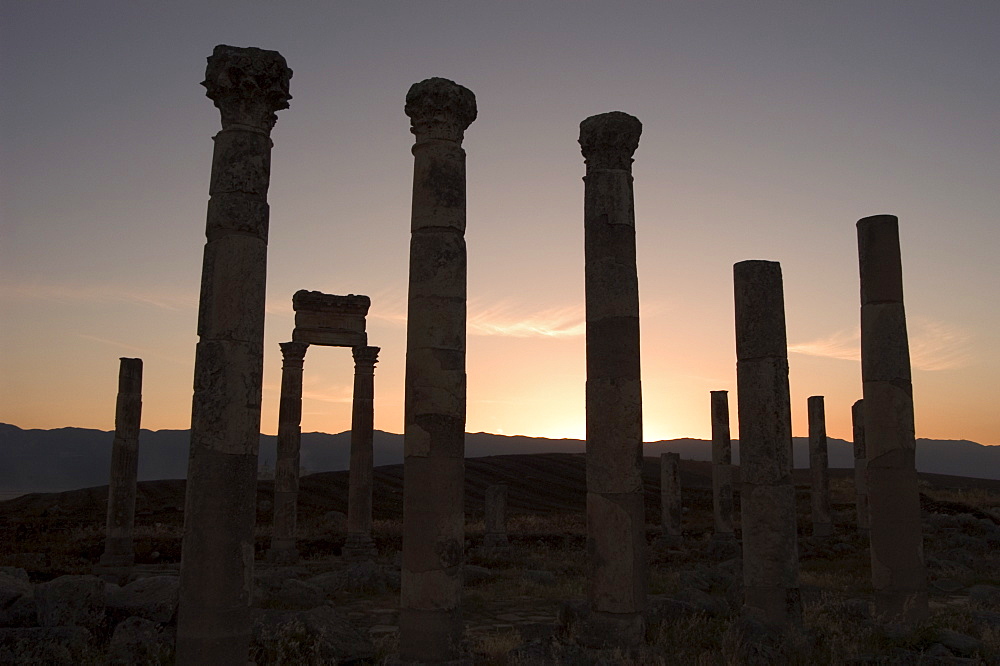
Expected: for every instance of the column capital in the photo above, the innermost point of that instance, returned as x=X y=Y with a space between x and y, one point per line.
x=365 y=356
x=293 y=353
x=609 y=140
x=440 y=109
x=248 y=85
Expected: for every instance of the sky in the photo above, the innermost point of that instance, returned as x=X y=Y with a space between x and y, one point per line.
x=769 y=129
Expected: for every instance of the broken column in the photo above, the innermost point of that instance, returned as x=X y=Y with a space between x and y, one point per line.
x=286 y=465
x=722 y=467
x=819 y=468
x=359 y=544
x=767 y=493
x=897 y=553
x=860 y=466
x=248 y=85
x=119 y=556
x=495 y=509
x=616 y=540
x=430 y=620
x=670 y=499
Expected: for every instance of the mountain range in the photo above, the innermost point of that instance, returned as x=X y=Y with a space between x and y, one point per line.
x=68 y=458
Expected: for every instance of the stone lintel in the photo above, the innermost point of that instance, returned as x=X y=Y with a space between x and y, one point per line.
x=330 y=320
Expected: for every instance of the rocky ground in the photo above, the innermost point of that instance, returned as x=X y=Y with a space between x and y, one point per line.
x=520 y=606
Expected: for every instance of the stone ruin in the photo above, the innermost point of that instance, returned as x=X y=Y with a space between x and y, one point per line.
x=249 y=86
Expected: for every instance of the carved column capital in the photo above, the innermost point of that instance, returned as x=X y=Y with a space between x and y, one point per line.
x=609 y=140
x=248 y=85
x=440 y=109
x=293 y=354
x=365 y=357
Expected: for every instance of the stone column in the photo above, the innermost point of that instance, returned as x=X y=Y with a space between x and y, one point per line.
x=118 y=556
x=860 y=466
x=248 y=85
x=819 y=463
x=722 y=467
x=670 y=499
x=286 y=464
x=616 y=540
x=359 y=545
x=767 y=494
x=430 y=621
x=496 y=518
x=898 y=573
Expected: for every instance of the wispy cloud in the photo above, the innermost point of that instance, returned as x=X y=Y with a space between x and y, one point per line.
x=513 y=320
x=165 y=299
x=934 y=345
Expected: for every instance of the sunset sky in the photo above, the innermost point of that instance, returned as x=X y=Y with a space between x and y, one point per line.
x=769 y=129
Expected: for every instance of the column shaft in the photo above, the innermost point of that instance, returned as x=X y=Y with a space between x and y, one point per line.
x=118 y=551
x=287 y=464
x=359 y=501
x=819 y=468
x=898 y=573
x=860 y=466
x=767 y=495
x=495 y=517
x=670 y=496
x=213 y=626
x=430 y=622
x=615 y=511
x=722 y=466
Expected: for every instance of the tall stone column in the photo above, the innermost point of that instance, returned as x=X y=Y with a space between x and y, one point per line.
x=670 y=498
x=495 y=537
x=722 y=467
x=616 y=540
x=819 y=463
x=248 y=85
x=860 y=466
x=359 y=545
x=119 y=556
x=897 y=552
x=430 y=621
x=286 y=464
x=767 y=495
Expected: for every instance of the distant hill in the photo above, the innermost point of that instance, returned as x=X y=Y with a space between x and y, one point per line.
x=68 y=458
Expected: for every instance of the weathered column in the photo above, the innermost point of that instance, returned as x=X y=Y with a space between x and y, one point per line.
x=495 y=537
x=359 y=545
x=119 y=556
x=819 y=463
x=286 y=464
x=248 y=85
x=430 y=621
x=767 y=495
x=616 y=540
x=670 y=498
x=860 y=466
x=722 y=467
x=897 y=552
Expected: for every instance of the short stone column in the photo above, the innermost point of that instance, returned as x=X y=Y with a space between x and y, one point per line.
x=495 y=537
x=722 y=467
x=767 y=494
x=898 y=573
x=118 y=557
x=860 y=466
x=819 y=463
x=286 y=464
x=248 y=85
x=430 y=619
x=359 y=544
x=670 y=499
x=615 y=511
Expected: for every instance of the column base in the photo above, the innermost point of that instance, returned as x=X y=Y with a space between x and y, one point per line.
x=117 y=574
x=358 y=548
